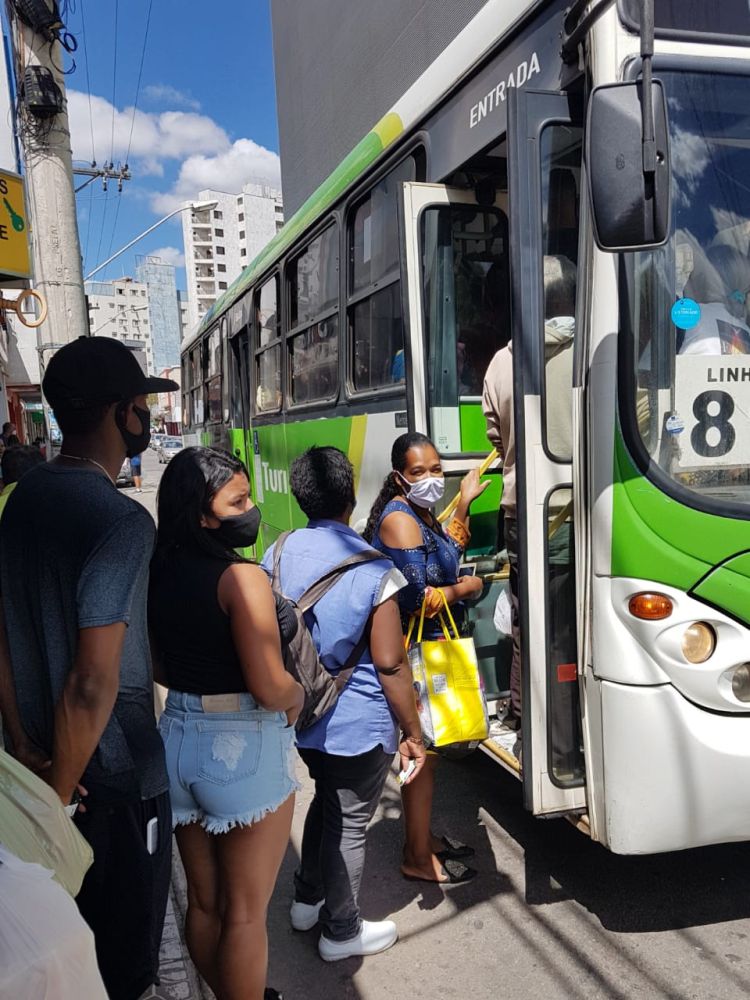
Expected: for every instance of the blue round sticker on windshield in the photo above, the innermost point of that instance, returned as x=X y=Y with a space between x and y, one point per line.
x=686 y=313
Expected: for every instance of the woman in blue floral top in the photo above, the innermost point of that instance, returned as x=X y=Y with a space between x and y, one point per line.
x=403 y=526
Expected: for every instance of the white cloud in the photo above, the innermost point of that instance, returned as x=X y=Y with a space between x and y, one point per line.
x=170 y=255
x=163 y=93
x=226 y=170
x=156 y=136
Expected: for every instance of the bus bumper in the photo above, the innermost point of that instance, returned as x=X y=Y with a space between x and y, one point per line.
x=675 y=775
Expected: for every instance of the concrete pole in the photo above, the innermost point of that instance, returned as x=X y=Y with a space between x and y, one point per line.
x=56 y=248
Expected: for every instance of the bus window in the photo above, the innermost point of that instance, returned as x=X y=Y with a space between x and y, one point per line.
x=314 y=279
x=268 y=347
x=225 y=372
x=213 y=381
x=467 y=309
x=185 y=392
x=313 y=340
x=237 y=364
x=196 y=384
x=373 y=284
x=314 y=362
x=563 y=715
x=561 y=150
x=690 y=301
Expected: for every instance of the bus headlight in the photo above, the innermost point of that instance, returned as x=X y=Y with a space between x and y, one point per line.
x=698 y=643
x=741 y=682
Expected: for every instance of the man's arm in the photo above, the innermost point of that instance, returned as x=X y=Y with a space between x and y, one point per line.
x=85 y=705
x=23 y=749
x=392 y=665
x=490 y=406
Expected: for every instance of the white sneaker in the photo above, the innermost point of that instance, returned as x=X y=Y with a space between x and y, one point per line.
x=375 y=936
x=304 y=916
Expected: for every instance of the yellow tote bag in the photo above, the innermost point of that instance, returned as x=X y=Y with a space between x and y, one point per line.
x=450 y=699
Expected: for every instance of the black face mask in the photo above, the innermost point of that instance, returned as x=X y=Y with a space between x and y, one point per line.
x=134 y=443
x=239 y=530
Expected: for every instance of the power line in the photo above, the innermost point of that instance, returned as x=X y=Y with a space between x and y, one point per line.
x=140 y=75
x=104 y=222
x=114 y=81
x=88 y=223
x=88 y=81
x=114 y=225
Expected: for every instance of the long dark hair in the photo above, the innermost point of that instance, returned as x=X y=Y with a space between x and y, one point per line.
x=392 y=486
x=190 y=482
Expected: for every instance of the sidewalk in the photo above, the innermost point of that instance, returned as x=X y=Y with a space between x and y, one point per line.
x=179 y=980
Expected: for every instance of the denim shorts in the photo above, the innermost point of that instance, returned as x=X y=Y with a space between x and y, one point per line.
x=226 y=769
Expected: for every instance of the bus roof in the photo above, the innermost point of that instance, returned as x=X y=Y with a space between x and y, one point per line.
x=469 y=47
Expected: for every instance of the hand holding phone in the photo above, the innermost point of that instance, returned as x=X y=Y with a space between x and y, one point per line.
x=404 y=776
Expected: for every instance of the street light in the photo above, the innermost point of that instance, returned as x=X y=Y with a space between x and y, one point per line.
x=194 y=206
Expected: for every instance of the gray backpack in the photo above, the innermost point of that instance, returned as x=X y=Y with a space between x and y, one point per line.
x=301 y=658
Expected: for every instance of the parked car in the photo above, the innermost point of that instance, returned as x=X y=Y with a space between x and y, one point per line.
x=156 y=439
x=125 y=475
x=168 y=449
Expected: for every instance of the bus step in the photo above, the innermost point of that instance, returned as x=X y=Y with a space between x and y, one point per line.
x=500 y=746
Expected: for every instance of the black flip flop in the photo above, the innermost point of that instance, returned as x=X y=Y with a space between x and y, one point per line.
x=455 y=870
x=269 y=993
x=454 y=850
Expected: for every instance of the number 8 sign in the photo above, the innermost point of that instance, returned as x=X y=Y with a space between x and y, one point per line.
x=712 y=397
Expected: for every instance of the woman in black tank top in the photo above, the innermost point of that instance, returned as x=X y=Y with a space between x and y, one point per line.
x=228 y=724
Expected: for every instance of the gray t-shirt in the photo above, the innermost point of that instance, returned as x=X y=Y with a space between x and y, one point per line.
x=74 y=553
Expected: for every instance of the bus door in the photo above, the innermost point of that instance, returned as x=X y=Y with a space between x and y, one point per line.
x=544 y=181
x=456 y=290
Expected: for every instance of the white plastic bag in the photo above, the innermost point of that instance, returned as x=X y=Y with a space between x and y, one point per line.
x=502 y=617
x=46 y=947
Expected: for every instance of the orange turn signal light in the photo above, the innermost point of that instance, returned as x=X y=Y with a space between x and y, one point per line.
x=650 y=607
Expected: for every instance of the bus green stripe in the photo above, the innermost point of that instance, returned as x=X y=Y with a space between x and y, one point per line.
x=657 y=538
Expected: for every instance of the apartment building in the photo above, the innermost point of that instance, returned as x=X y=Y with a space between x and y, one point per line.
x=220 y=242
x=120 y=309
x=182 y=305
x=159 y=277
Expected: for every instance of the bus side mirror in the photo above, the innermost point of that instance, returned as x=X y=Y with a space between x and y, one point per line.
x=630 y=202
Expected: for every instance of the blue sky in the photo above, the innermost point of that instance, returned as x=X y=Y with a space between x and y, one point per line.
x=206 y=114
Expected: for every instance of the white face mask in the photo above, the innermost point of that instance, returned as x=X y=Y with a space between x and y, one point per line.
x=425 y=492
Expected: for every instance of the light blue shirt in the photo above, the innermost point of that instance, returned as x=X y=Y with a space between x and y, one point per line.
x=361 y=719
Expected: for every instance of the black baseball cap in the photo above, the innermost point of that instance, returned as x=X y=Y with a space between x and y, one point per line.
x=94 y=370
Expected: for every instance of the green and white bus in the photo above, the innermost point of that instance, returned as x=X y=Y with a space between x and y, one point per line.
x=538 y=134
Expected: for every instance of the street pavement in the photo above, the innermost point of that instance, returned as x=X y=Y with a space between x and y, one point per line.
x=550 y=915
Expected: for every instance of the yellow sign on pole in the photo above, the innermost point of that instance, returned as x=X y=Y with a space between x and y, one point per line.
x=14 y=229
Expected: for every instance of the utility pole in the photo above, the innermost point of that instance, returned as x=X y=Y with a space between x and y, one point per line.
x=44 y=132
x=45 y=140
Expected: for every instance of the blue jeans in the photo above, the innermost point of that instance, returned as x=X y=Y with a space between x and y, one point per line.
x=226 y=769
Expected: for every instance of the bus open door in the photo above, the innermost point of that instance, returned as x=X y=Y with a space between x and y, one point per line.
x=458 y=251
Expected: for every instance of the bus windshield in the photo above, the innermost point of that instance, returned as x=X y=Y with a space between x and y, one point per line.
x=690 y=300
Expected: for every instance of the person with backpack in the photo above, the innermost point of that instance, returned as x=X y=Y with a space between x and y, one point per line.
x=350 y=748
x=228 y=723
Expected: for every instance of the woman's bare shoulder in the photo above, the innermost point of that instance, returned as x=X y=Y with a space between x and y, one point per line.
x=399 y=530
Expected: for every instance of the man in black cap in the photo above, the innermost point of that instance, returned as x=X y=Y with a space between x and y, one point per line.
x=74 y=558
